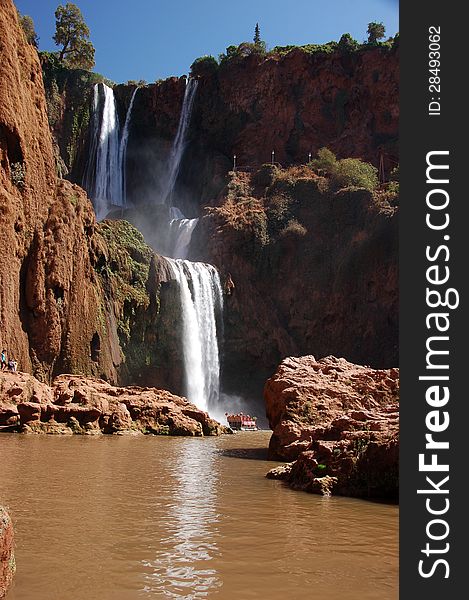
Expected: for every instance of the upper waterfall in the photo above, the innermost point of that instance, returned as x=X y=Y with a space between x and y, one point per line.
x=179 y=144
x=123 y=147
x=105 y=173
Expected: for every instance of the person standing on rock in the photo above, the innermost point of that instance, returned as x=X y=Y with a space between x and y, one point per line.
x=3 y=359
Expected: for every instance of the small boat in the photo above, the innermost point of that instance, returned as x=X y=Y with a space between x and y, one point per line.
x=242 y=422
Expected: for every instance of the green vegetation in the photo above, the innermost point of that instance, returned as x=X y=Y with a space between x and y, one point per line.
x=18 y=174
x=204 y=65
x=236 y=54
x=347 y=43
x=375 y=32
x=27 y=25
x=75 y=87
x=346 y=172
x=257 y=34
x=72 y=34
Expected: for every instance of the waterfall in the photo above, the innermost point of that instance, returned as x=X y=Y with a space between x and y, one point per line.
x=105 y=174
x=180 y=232
x=123 y=148
x=108 y=176
x=179 y=144
x=201 y=298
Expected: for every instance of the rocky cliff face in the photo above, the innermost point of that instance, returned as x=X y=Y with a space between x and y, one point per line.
x=339 y=423
x=306 y=269
x=70 y=290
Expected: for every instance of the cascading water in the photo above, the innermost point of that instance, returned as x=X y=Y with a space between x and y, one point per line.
x=123 y=147
x=179 y=144
x=181 y=230
x=199 y=284
x=105 y=175
x=201 y=300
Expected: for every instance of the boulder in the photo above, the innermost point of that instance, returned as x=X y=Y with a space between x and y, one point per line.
x=339 y=423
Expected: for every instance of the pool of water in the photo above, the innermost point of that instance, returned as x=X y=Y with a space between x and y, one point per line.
x=123 y=518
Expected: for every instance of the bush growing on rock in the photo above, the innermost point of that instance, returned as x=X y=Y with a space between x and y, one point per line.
x=347 y=43
x=18 y=174
x=204 y=65
x=347 y=172
x=326 y=160
x=244 y=50
x=354 y=172
x=294 y=229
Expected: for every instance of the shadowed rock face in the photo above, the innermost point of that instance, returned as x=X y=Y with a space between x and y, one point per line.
x=7 y=557
x=306 y=270
x=339 y=423
x=80 y=405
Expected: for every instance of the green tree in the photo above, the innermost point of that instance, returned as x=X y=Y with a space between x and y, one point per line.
x=375 y=32
x=27 y=24
x=347 y=43
x=257 y=35
x=72 y=33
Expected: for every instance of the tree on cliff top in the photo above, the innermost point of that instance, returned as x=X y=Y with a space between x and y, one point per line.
x=27 y=25
x=257 y=34
x=72 y=33
x=375 y=32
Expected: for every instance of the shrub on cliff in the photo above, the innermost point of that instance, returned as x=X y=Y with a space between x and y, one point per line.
x=325 y=160
x=354 y=172
x=347 y=172
x=204 y=65
x=347 y=43
x=265 y=176
x=239 y=53
x=293 y=229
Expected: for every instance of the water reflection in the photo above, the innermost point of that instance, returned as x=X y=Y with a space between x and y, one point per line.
x=181 y=568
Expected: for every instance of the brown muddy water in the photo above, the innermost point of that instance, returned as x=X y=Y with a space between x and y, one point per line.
x=120 y=518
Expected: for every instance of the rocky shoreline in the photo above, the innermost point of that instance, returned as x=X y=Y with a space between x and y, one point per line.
x=7 y=556
x=78 y=405
x=337 y=426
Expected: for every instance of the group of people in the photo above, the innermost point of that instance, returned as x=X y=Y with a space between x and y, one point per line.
x=8 y=364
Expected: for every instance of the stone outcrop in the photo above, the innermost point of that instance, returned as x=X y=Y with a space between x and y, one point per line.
x=79 y=405
x=337 y=423
x=7 y=556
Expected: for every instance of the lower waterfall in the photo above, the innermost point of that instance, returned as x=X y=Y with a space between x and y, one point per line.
x=201 y=301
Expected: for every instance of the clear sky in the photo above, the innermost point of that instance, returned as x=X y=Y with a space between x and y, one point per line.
x=154 y=39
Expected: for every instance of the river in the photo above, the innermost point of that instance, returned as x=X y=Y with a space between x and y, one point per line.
x=124 y=518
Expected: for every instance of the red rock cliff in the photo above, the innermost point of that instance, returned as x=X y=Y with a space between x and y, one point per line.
x=60 y=307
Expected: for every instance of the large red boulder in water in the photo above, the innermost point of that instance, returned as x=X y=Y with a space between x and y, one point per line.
x=339 y=422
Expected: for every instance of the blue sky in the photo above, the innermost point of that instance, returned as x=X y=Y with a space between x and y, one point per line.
x=154 y=39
